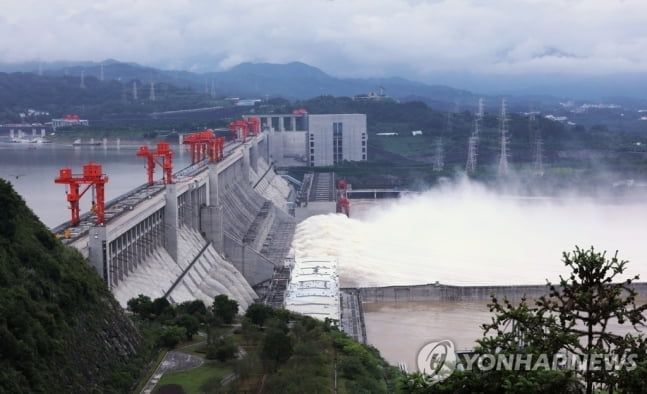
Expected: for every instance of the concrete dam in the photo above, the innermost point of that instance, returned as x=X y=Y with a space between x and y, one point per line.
x=219 y=228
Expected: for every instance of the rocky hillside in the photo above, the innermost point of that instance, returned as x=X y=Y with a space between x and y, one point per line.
x=61 y=331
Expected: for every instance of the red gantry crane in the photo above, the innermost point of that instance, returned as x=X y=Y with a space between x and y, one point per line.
x=205 y=144
x=92 y=177
x=254 y=125
x=242 y=128
x=164 y=152
x=343 y=203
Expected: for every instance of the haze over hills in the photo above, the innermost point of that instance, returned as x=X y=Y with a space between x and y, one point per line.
x=297 y=81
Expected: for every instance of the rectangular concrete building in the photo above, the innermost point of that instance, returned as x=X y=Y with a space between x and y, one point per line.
x=301 y=139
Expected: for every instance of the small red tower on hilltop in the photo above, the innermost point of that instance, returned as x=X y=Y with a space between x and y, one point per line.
x=163 y=151
x=92 y=177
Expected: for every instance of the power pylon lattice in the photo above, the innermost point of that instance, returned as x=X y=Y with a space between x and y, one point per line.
x=472 y=142
x=504 y=167
x=439 y=155
x=539 y=146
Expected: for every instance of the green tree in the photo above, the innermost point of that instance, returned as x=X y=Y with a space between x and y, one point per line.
x=195 y=308
x=276 y=348
x=170 y=336
x=141 y=305
x=160 y=305
x=190 y=323
x=587 y=301
x=258 y=313
x=224 y=308
x=251 y=332
x=222 y=350
x=573 y=319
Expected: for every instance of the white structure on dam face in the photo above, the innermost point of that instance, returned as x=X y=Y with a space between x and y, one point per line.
x=314 y=289
x=220 y=228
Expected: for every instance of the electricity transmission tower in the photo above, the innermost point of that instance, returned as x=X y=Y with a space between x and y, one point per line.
x=134 y=90
x=504 y=168
x=472 y=142
x=539 y=146
x=439 y=151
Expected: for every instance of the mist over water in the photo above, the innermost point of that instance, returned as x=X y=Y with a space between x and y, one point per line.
x=466 y=234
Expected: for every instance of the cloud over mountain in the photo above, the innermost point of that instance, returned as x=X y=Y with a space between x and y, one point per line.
x=342 y=37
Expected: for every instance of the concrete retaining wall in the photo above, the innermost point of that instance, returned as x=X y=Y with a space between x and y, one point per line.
x=254 y=266
x=438 y=292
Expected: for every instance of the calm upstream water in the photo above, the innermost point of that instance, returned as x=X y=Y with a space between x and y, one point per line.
x=31 y=168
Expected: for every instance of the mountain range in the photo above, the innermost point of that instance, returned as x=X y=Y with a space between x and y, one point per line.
x=299 y=81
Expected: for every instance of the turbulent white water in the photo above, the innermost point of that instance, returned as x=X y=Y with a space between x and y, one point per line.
x=466 y=235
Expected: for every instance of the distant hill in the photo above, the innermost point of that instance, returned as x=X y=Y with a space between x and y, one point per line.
x=297 y=81
x=293 y=81
x=61 y=330
x=95 y=100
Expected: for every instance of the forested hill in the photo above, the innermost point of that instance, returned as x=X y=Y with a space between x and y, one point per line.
x=61 y=331
x=97 y=99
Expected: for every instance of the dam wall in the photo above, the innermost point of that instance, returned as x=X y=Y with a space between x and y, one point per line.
x=219 y=228
x=439 y=292
x=257 y=230
x=200 y=273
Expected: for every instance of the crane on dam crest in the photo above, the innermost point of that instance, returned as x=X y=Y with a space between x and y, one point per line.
x=92 y=178
x=164 y=152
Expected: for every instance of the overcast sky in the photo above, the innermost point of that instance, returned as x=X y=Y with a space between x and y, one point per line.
x=342 y=37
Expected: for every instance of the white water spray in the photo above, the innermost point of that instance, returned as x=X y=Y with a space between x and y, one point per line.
x=465 y=234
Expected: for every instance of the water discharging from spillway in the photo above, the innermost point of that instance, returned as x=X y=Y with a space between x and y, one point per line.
x=464 y=234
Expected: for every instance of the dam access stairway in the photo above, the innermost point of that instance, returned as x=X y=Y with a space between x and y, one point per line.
x=323 y=187
x=316 y=196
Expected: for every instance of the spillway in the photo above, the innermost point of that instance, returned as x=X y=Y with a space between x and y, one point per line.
x=466 y=234
x=209 y=275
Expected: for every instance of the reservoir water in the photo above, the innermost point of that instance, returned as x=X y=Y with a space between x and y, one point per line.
x=31 y=168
